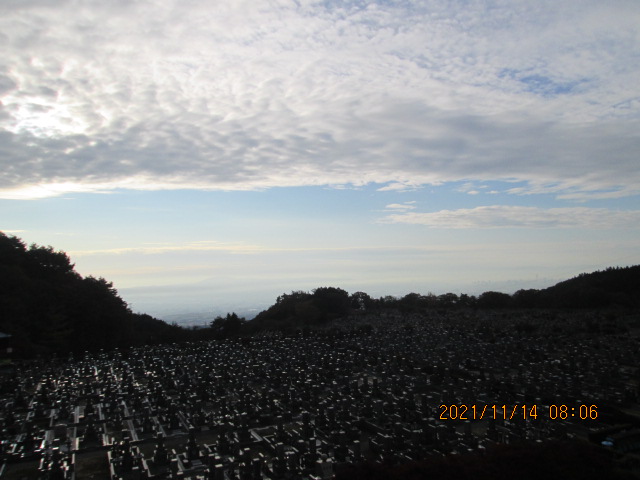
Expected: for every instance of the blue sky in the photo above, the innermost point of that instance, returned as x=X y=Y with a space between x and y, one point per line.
x=208 y=156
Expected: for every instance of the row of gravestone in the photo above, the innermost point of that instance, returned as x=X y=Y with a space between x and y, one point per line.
x=382 y=389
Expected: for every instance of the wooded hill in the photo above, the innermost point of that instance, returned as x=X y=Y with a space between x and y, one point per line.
x=47 y=307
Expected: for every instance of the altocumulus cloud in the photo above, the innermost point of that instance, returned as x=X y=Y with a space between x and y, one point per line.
x=501 y=216
x=248 y=95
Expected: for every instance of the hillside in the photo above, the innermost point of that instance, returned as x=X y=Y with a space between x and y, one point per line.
x=46 y=306
x=613 y=287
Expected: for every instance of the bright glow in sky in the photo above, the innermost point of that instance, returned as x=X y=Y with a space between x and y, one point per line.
x=201 y=153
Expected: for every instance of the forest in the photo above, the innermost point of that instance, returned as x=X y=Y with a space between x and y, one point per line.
x=48 y=308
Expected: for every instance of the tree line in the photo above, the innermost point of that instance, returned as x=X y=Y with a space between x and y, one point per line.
x=47 y=307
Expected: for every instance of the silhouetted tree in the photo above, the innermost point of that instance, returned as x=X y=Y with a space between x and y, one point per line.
x=527 y=298
x=467 y=301
x=494 y=300
x=331 y=301
x=229 y=326
x=361 y=301
x=448 y=300
x=48 y=307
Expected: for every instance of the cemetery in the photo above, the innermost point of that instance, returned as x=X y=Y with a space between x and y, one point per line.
x=304 y=405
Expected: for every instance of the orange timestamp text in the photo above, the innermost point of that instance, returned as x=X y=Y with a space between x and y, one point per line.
x=512 y=412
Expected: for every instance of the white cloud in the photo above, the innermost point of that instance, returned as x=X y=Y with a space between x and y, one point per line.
x=163 y=248
x=502 y=216
x=242 y=248
x=249 y=95
x=400 y=206
x=400 y=187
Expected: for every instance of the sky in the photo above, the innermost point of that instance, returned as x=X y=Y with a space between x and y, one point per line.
x=206 y=155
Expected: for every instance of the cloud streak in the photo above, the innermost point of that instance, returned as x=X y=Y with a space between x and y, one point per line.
x=167 y=95
x=400 y=207
x=502 y=216
x=243 y=249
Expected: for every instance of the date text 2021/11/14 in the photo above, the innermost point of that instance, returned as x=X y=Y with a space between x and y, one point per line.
x=512 y=412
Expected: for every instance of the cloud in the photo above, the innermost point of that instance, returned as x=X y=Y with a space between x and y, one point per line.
x=400 y=206
x=164 y=95
x=502 y=216
x=162 y=248
x=247 y=249
x=401 y=187
x=232 y=248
